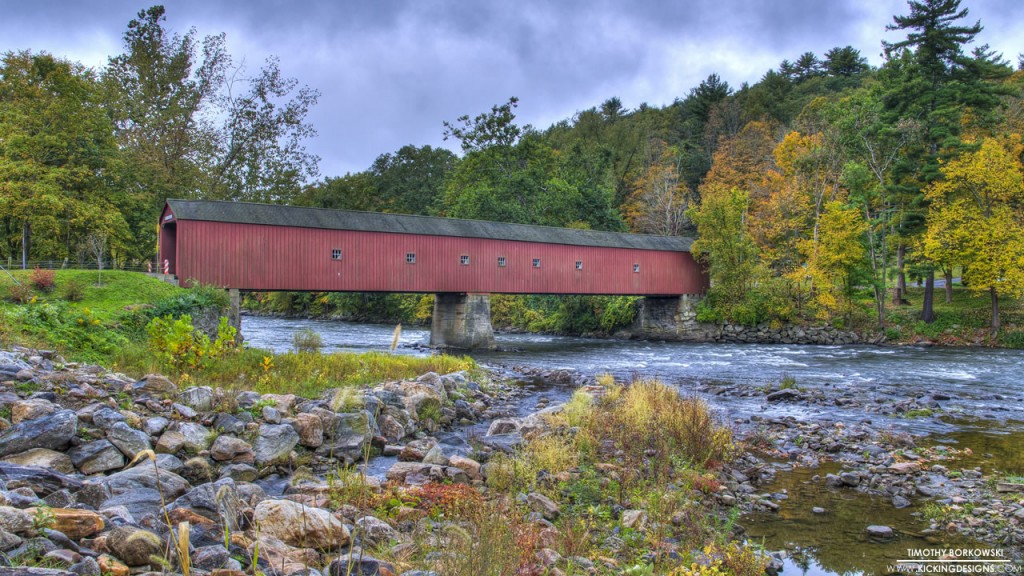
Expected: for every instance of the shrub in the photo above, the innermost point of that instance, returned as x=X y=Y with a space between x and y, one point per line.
x=74 y=291
x=1012 y=340
x=21 y=293
x=181 y=346
x=42 y=279
x=306 y=341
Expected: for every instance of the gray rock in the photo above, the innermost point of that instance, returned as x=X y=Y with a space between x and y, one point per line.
x=155 y=425
x=106 y=417
x=818 y=510
x=239 y=472
x=198 y=397
x=230 y=449
x=880 y=532
x=503 y=426
x=784 y=395
x=375 y=531
x=228 y=424
x=155 y=385
x=54 y=432
x=96 y=456
x=134 y=546
x=87 y=567
x=15 y=520
x=139 y=504
x=541 y=503
x=143 y=475
x=210 y=557
x=435 y=456
x=196 y=436
x=358 y=565
x=274 y=443
x=900 y=502
x=127 y=439
x=347 y=434
x=849 y=479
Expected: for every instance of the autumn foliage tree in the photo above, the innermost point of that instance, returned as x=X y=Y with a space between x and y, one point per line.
x=977 y=220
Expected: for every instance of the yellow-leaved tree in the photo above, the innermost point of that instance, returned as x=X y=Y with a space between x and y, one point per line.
x=832 y=259
x=976 y=219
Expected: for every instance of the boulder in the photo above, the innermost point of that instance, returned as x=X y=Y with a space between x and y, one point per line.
x=346 y=435
x=15 y=520
x=418 y=473
x=134 y=546
x=128 y=440
x=74 y=523
x=374 y=531
x=544 y=505
x=155 y=385
x=96 y=456
x=283 y=558
x=43 y=458
x=274 y=444
x=231 y=449
x=198 y=398
x=310 y=429
x=31 y=409
x=54 y=432
x=298 y=525
x=880 y=532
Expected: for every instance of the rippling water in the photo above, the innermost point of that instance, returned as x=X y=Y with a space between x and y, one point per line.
x=984 y=383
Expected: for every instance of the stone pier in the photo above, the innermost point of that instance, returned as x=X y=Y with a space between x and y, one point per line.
x=670 y=318
x=462 y=321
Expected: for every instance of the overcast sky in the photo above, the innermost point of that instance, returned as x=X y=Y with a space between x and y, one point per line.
x=390 y=72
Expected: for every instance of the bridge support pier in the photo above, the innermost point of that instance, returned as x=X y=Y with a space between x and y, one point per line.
x=462 y=321
x=669 y=318
x=235 y=312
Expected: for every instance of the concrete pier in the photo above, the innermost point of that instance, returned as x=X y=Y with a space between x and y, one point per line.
x=462 y=321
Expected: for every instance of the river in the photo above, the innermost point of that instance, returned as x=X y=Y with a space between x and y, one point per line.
x=984 y=385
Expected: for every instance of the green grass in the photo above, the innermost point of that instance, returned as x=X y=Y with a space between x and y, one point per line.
x=119 y=289
x=965 y=320
x=305 y=374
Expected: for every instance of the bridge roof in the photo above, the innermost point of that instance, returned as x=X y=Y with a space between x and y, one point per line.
x=299 y=217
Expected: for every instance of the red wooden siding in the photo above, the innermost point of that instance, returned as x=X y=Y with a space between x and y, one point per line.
x=262 y=257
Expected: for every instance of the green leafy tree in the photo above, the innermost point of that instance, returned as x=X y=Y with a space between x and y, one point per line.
x=931 y=79
x=55 y=145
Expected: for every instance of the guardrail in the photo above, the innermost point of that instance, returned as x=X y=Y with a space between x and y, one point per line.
x=75 y=265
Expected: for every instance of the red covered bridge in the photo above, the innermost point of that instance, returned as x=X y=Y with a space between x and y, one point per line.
x=243 y=246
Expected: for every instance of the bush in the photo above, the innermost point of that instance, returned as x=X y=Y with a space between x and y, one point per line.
x=306 y=341
x=74 y=291
x=42 y=279
x=1012 y=340
x=181 y=346
x=21 y=293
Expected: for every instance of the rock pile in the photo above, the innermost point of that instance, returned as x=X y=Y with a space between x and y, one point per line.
x=104 y=474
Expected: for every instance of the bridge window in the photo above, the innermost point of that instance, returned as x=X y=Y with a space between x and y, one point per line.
x=501 y=261
x=536 y=262
x=336 y=254
x=579 y=265
x=636 y=268
x=464 y=260
x=410 y=257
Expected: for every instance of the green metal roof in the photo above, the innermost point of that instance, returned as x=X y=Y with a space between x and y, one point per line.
x=278 y=215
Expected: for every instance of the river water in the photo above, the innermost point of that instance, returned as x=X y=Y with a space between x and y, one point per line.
x=986 y=387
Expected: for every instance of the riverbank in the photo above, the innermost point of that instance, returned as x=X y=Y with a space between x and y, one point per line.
x=584 y=496
x=108 y=474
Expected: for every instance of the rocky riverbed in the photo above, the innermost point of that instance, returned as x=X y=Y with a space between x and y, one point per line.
x=105 y=474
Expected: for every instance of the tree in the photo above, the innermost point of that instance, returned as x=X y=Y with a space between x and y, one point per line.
x=96 y=246
x=724 y=244
x=833 y=259
x=55 y=145
x=411 y=180
x=260 y=155
x=659 y=200
x=844 y=62
x=931 y=79
x=159 y=95
x=976 y=221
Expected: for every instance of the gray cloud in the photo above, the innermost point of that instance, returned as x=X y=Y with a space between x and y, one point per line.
x=391 y=71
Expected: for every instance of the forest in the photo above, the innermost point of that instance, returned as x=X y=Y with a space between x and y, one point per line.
x=827 y=184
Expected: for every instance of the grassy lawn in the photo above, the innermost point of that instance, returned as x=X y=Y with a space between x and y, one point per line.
x=119 y=290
